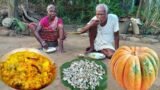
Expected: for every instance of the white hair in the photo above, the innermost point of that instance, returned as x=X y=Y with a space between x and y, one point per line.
x=50 y=6
x=102 y=5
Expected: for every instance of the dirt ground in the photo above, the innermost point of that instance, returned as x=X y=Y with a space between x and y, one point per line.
x=74 y=45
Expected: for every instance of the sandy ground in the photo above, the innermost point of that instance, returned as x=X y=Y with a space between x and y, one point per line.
x=74 y=45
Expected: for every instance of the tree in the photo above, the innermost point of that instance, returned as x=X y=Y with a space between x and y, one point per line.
x=13 y=8
x=139 y=8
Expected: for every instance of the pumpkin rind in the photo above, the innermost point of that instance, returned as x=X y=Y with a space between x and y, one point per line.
x=119 y=69
x=135 y=68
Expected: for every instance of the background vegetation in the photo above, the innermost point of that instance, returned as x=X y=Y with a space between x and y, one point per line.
x=81 y=11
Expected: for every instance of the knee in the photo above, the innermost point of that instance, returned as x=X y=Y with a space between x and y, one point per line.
x=108 y=53
x=109 y=56
x=93 y=28
x=32 y=26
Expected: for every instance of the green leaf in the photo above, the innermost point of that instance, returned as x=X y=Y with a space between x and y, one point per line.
x=21 y=25
x=103 y=82
x=102 y=1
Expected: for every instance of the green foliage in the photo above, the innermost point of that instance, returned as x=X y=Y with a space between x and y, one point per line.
x=122 y=7
x=103 y=1
x=81 y=11
x=78 y=11
x=2 y=2
x=18 y=25
x=114 y=7
x=149 y=31
x=150 y=15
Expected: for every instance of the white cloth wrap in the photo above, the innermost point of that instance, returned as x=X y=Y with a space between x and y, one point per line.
x=105 y=34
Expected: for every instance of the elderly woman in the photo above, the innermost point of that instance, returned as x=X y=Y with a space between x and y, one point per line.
x=49 y=32
x=103 y=31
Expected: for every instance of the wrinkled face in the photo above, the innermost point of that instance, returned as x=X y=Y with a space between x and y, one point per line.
x=52 y=12
x=101 y=14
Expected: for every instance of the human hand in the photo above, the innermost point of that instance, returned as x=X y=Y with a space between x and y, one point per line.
x=44 y=45
x=89 y=51
x=95 y=22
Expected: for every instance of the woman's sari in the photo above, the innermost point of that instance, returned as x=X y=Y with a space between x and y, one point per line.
x=49 y=30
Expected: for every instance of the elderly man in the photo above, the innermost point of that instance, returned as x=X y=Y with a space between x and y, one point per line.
x=103 y=31
x=49 y=32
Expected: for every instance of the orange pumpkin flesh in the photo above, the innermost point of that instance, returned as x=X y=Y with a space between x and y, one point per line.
x=27 y=69
x=135 y=68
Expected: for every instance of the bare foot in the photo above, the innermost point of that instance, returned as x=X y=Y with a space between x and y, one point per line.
x=90 y=50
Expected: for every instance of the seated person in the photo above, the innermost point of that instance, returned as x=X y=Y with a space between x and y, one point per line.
x=49 y=32
x=103 y=31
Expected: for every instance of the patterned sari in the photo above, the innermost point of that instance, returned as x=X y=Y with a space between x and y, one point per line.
x=49 y=30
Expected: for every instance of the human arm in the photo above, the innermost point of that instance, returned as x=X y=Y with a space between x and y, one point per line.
x=38 y=37
x=116 y=31
x=116 y=39
x=93 y=23
x=61 y=37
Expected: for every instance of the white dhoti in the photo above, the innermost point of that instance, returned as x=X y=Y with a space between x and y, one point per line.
x=100 y=44
x=105 y=34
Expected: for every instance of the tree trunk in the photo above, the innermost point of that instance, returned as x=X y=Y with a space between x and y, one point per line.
x=13 y=8
x=27 y=16
x=139 y=8
x=26 y=5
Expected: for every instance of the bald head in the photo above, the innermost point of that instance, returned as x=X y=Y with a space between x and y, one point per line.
x=102 y=6
x=102 y=13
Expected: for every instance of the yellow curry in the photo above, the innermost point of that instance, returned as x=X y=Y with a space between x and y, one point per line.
x=27 y=70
